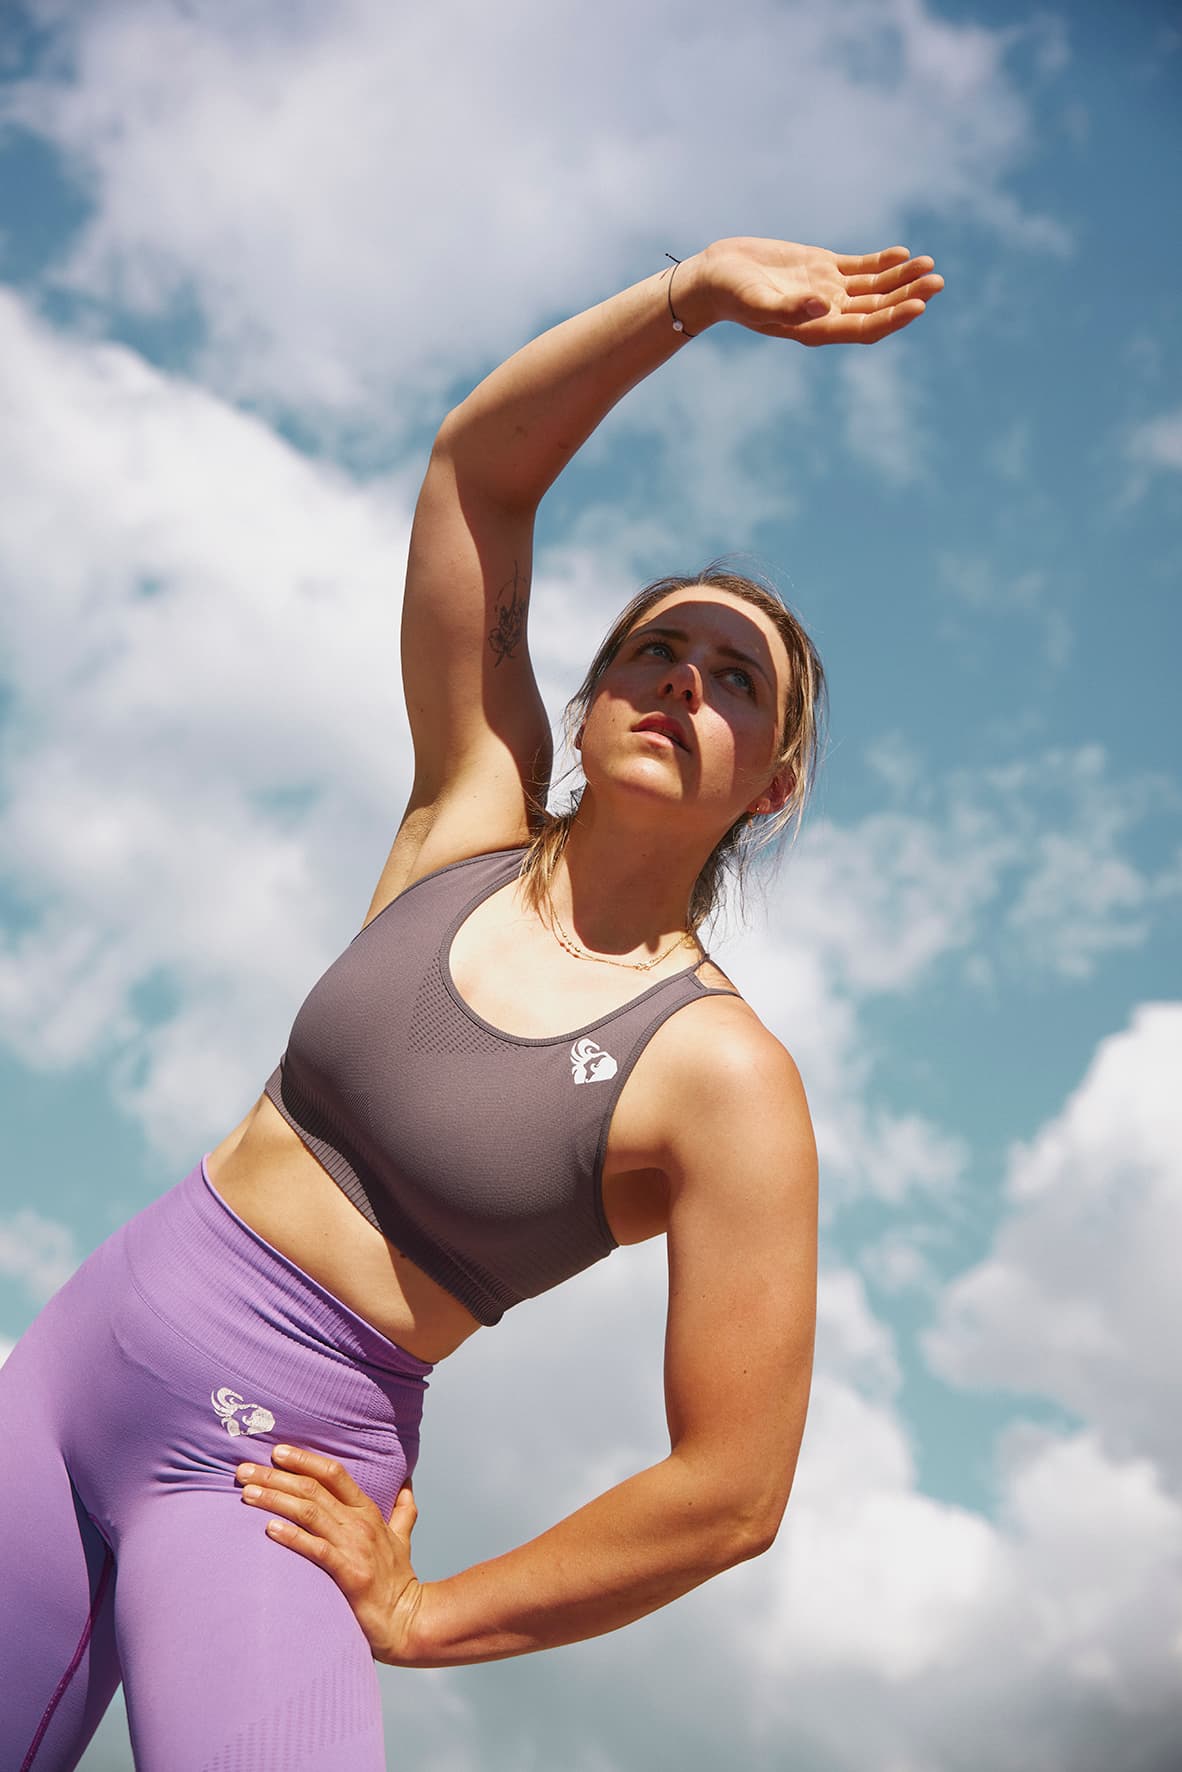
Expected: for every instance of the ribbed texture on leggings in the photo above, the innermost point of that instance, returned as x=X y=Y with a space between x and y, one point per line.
x=217 y=1283
x=335 y=1709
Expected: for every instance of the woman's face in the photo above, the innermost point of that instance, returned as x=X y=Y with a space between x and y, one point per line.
x=691 y=709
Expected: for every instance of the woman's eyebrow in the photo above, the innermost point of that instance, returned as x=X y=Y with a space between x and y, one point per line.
x=665 y=633
x=746 y=658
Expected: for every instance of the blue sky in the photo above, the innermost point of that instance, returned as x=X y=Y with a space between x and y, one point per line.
x=248 y=255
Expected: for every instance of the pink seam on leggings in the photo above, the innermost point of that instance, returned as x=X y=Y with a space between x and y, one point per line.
x=80 y=1651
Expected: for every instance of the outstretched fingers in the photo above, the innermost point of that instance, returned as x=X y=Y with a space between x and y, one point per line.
x=920 y=289
x=866 y=329
x=869 y=264
x=889 y=278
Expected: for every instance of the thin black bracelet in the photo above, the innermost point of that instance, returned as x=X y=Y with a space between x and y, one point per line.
x=678 y=325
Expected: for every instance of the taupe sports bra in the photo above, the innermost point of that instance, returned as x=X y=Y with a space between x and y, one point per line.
x=477 y=1153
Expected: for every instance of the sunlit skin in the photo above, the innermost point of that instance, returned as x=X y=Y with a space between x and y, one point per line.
x=718 y=667
x=653 y=809
x=714 y=1109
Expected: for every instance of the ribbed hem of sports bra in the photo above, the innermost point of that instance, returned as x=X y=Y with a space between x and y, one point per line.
x=336 y=1156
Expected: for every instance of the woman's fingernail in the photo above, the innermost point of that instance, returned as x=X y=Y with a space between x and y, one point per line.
x=282 y=1452
x=252 y=1492
x=815 y=307
x=244 y=1472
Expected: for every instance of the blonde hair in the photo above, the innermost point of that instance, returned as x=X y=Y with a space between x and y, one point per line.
x=800 y=744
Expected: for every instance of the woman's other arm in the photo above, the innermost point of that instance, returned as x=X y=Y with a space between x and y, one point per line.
x=742 y=1263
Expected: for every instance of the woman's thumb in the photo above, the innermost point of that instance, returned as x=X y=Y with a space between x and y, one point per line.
x=405 y=1513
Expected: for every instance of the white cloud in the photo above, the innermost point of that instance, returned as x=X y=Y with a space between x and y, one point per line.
x=202 y=619
x=976 y=584
x=1152 y=449
x=966 y=1641
x=1078 y=1298
x=1010 y=454
x=969 y=1641
x=884 y=898
x=202 y=658
x=37 y=1251
x=1157 y=443
x=852 y=1343
x=900 y=1260
x=363 y=202
x=719 y=414
x=881 y=415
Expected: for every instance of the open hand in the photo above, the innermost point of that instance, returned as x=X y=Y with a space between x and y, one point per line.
x=808 y=293
x=322 y=1514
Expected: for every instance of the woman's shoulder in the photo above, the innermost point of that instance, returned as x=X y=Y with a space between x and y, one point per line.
x=716 y=1059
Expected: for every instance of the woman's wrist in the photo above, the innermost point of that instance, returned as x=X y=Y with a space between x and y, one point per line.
x=691 y=295
x=407 y=1644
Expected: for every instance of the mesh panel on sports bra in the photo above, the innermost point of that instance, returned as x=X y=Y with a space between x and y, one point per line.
x=438 y=1026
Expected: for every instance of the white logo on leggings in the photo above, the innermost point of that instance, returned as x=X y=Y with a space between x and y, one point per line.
x=589 y=1063
x=229 y=1405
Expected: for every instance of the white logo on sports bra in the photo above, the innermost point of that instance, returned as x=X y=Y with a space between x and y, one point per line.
x=255 y=1420
x=589 y=1063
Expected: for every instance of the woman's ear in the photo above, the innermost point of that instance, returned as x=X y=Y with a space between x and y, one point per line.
x=776 y=794
x=579 y=736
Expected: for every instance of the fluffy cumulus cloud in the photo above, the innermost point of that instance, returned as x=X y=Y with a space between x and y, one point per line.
x=38 y=1252
x=299 y=176
x=1046 y=847
x=1047 y=1636
x=201 y=664
x=1007 y=874
x=204 y=637
x=1077 y=1300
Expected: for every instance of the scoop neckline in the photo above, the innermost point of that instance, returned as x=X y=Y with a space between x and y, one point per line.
x=453 y=991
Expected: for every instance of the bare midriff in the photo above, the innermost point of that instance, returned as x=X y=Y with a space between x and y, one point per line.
x=269 y=1177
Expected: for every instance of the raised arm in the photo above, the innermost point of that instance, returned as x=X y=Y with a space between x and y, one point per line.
x=481 y=738
x=742 y=1260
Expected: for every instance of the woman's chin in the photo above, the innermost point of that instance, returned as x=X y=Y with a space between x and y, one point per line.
x=660 y=797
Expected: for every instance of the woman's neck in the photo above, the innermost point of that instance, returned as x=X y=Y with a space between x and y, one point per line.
x=620 y=891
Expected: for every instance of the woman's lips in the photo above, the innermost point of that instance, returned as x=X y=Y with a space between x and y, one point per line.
x=660 y=726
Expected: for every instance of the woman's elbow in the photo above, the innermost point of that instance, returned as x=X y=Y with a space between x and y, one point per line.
x=747 y=1528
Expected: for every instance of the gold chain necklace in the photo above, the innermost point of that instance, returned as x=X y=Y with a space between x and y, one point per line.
x=581 y=953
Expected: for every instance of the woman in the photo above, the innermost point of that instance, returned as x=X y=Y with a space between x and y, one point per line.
x=523 y=1059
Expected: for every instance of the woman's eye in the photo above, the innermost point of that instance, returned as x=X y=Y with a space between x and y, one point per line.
x=661 y=646
x=743 y=678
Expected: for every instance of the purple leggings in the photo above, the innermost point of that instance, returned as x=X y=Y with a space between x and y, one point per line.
x=184 y=1345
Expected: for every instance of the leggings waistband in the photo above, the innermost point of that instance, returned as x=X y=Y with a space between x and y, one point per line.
x=212 y=1278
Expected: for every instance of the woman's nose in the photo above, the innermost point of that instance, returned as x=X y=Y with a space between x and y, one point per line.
x=684 y=681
